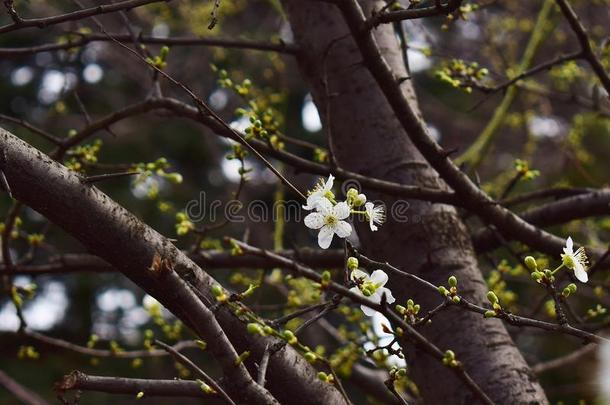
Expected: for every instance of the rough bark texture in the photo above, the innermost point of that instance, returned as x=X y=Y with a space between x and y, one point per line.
x=114 y=234
x=366 y=137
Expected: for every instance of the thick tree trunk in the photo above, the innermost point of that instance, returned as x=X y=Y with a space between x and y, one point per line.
x=431 y=240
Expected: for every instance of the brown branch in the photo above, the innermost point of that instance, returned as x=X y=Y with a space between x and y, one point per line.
x=585 y=43
x=595 y=203
x=20 y=392
x=44 y=22
x=219 y=128
x=44 y=134
x=132 y=354
x=130 y=386
x=84 y=39
x=80 y=262
x=556 y=193
x=412 y=14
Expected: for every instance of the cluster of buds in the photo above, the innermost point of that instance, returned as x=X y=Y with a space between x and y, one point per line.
x=569 y=290
x=460 y=74
x=159 y=61
x=322 y=376
x=452 y=292
x=495 y=304
x=183 y=224
x=219 y=293
x=524 y=171
x=449 y=359
x=410 y=312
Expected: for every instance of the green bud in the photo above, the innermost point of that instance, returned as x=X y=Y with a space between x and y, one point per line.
x=267 y=330
x=163 y=53
x=492 y=297
x=400 y=309
x=326 y=277
x=322 y=376
x=537 y=276
x=242 y=357
x=572 y=287
x=217 y=290
x=444 y=292
x=201 y=344
x=456 y=299
x=531 y=264
x=255 y=329
x=352 y=263
x=352 y=194
x=452 y=281
x=310 y=357
x=360 y=200
x=289 y=337
x=140 y=395
x=490 y=314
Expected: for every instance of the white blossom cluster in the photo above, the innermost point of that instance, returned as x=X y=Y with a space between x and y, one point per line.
x=330 y=216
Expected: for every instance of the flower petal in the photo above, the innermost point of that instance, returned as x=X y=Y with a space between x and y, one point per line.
x=367 y=311
x=389 y=298
x=342 y=229
x=315 y=220
x=358 y=274
x=341 y=210
x=570 y=244
x=379 y=277
x=312 y=201
x=324 y=206
x=325 y=237
x=580 y=273
x=372 y=225
x=328 y=185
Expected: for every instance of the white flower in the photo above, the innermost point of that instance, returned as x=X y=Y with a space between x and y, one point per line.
x=329 y=220
x=576 y=261
x=371 y=287
x=375 y=215
x=321 y=191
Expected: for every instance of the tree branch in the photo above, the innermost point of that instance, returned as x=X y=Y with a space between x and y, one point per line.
x=44 y=22
x=84 y=39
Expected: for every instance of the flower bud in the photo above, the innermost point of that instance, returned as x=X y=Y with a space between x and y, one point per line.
x=490 y=314
x=352 y=263
x=326 y=278
x=443 y=291
x=492 y=297
x=289 y=337
x=456 y=299
x=360 y=200
x=531 y=264
x=352 y=194
x=310 y=357
x=452 y=281
x=255 y=329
